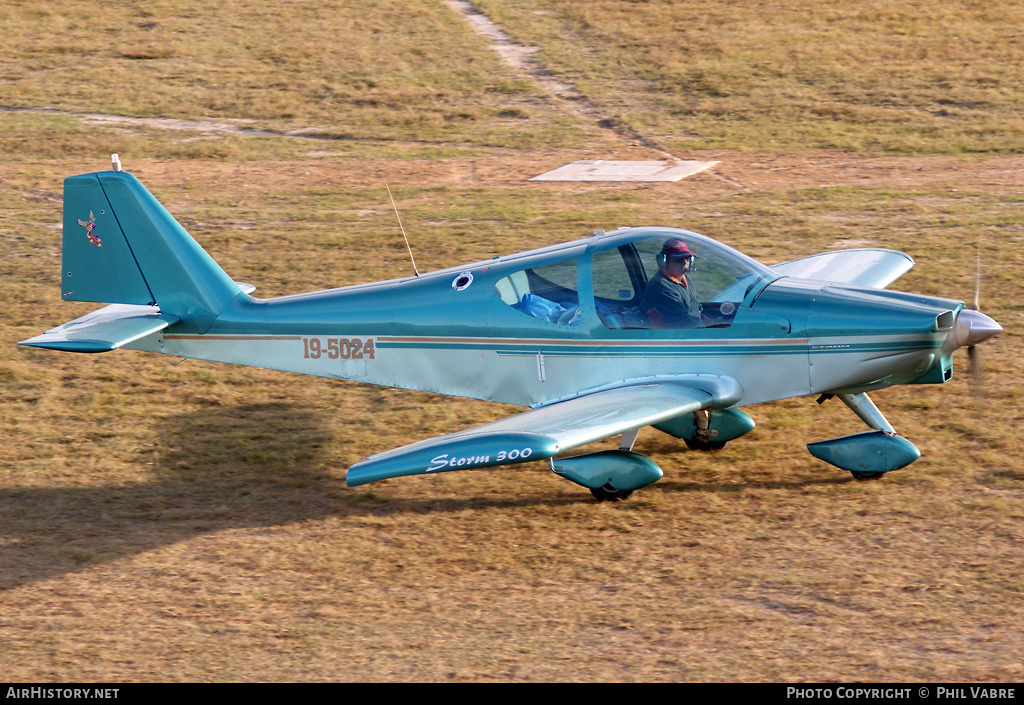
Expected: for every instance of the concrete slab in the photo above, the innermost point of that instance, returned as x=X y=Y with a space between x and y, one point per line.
x=600 y=170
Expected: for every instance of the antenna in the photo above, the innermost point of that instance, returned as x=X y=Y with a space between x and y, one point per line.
x=408 y=247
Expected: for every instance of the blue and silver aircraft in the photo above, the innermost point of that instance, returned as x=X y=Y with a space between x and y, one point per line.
x=565 y=330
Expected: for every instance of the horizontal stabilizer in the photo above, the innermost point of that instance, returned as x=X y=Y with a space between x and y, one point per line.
x=865 y=267
x=106 y=329
x=544 y=432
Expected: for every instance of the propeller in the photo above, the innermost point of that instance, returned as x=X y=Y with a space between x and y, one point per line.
x=975 y=327
x=973 y=356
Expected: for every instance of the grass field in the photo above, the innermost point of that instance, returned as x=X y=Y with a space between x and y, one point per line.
x=165 y=522
x=909 y=76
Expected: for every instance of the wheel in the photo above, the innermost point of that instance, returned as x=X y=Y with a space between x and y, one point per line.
x=706 y=446
x=860 y=475
x=609 y=493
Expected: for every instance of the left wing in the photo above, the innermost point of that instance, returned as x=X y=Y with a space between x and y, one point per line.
x=865 y=267
x=543 y=433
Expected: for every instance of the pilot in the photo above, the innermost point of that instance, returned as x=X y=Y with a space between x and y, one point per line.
x=670 y=300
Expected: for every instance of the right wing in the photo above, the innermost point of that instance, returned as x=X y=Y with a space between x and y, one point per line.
x=865 y=267
x=543 y=433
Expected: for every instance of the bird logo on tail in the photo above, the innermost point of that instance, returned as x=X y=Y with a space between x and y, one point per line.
x=89 y=228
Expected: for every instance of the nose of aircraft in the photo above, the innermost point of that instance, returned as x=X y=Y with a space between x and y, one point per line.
x=973 y=327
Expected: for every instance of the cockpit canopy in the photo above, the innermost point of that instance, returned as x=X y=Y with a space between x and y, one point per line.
x=548 y=292
x=623 y=266
x=720 y=278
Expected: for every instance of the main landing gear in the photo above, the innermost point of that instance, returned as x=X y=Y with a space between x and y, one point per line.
x=697 y=443
x=609 y=493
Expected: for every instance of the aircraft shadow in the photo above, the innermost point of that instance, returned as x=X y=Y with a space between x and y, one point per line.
x=223 y=468
x=727 y=487
x=256 y=465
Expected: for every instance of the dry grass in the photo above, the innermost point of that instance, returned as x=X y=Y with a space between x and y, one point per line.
x=190 y=522
x=791 y=74
x=383 y=70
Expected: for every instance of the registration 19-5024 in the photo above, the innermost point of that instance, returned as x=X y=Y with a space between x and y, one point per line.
x=339 y=348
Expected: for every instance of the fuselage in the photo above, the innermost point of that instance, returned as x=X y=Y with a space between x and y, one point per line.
x=464 y=331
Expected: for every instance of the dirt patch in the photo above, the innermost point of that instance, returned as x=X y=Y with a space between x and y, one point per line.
x=741 y=170
x=519 y=57
x=523 y=59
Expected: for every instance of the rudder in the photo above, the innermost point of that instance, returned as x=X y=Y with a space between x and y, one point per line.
x=97 y=263
x=120 y=245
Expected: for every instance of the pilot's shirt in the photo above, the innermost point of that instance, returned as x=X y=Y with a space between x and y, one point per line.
x=670 y=304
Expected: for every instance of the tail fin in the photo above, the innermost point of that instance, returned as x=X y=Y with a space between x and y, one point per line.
x=121 y=246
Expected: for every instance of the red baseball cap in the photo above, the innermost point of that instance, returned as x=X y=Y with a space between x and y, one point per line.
x=676 y=248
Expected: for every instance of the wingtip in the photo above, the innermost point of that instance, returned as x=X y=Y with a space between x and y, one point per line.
x=79 y=346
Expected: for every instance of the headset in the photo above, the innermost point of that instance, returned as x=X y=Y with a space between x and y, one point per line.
x=678 y=249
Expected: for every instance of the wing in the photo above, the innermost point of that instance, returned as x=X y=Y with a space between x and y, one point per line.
x=866 y=267
x=543 y=433
x=106 y=329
